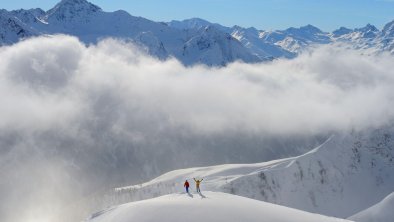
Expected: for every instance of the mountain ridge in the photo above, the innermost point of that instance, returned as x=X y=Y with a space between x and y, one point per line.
x=173 y=39
x=207 y=206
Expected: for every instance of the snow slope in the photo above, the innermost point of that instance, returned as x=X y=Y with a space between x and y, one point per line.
x=208 y=207
x=341 y=177
x=380 y=212
x=12 y=29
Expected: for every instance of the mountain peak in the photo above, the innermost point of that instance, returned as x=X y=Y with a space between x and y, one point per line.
x=192 y=23
x=76 y=3
x=341 y=31
x=368 y=31
x=310 y=28
x=67 y=9
x=388 y=29
x=368 y=28
x=304 y=29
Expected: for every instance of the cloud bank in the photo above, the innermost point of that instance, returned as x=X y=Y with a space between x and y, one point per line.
x=58 y=80
x=75 y=119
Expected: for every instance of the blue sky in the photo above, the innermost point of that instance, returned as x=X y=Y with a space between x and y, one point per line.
x=262 y=14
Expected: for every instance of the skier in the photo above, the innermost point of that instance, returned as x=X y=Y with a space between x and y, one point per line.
x=198 y=185
x=186 y=185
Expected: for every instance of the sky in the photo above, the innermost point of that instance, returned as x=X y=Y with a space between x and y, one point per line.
x=262 y=14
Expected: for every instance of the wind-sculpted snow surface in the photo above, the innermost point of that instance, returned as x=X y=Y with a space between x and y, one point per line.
x=208 y=207
x=76 y=120
x=344 y=175
x=380 y=212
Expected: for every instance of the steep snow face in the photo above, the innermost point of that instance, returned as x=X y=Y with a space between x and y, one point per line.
x=341 y=31
x=71 y=17
x=380 y=212
x=208 y=207
x=71 y=11
x=250 y=38
x=344 y=175
x=30 y=16
x=324 y=181
x=388 y=29
x=386 y=41
x=369 y=31
x=212 y=47
x=194 y=23
x=13 y=29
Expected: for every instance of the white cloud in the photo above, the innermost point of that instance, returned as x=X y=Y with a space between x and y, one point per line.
x=327 y=89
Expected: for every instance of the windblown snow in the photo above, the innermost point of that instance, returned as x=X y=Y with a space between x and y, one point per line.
x=208 y=207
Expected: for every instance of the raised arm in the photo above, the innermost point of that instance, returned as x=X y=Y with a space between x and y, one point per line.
x=194 y=179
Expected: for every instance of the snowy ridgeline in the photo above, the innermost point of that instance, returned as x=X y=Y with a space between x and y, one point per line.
x=340 y=178
x=209 y=207
x=192 y=41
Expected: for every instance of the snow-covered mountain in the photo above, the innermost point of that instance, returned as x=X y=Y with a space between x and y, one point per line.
x=80 y=18
x=380 y=212
x=192 y=41
x=292 y=41
x=211 y=46
x=296 y=39
x=195 y=23
x=341 y=177
x=207 y=206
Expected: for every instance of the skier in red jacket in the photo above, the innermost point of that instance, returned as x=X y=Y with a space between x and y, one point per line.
x=186 y=185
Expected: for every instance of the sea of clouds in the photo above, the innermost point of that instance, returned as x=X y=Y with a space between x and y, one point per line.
x=76 y=119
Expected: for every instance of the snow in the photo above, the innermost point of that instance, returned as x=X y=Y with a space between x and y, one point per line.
x=208 y=207
x=250 y=38
x=388 y=29
x=341 y=31
x=212 y=47
x=193 y=23
x=13 y=29
x=380 y=212
x=320 y=181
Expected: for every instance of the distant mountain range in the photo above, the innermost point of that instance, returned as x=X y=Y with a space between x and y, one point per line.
x=191 y=41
